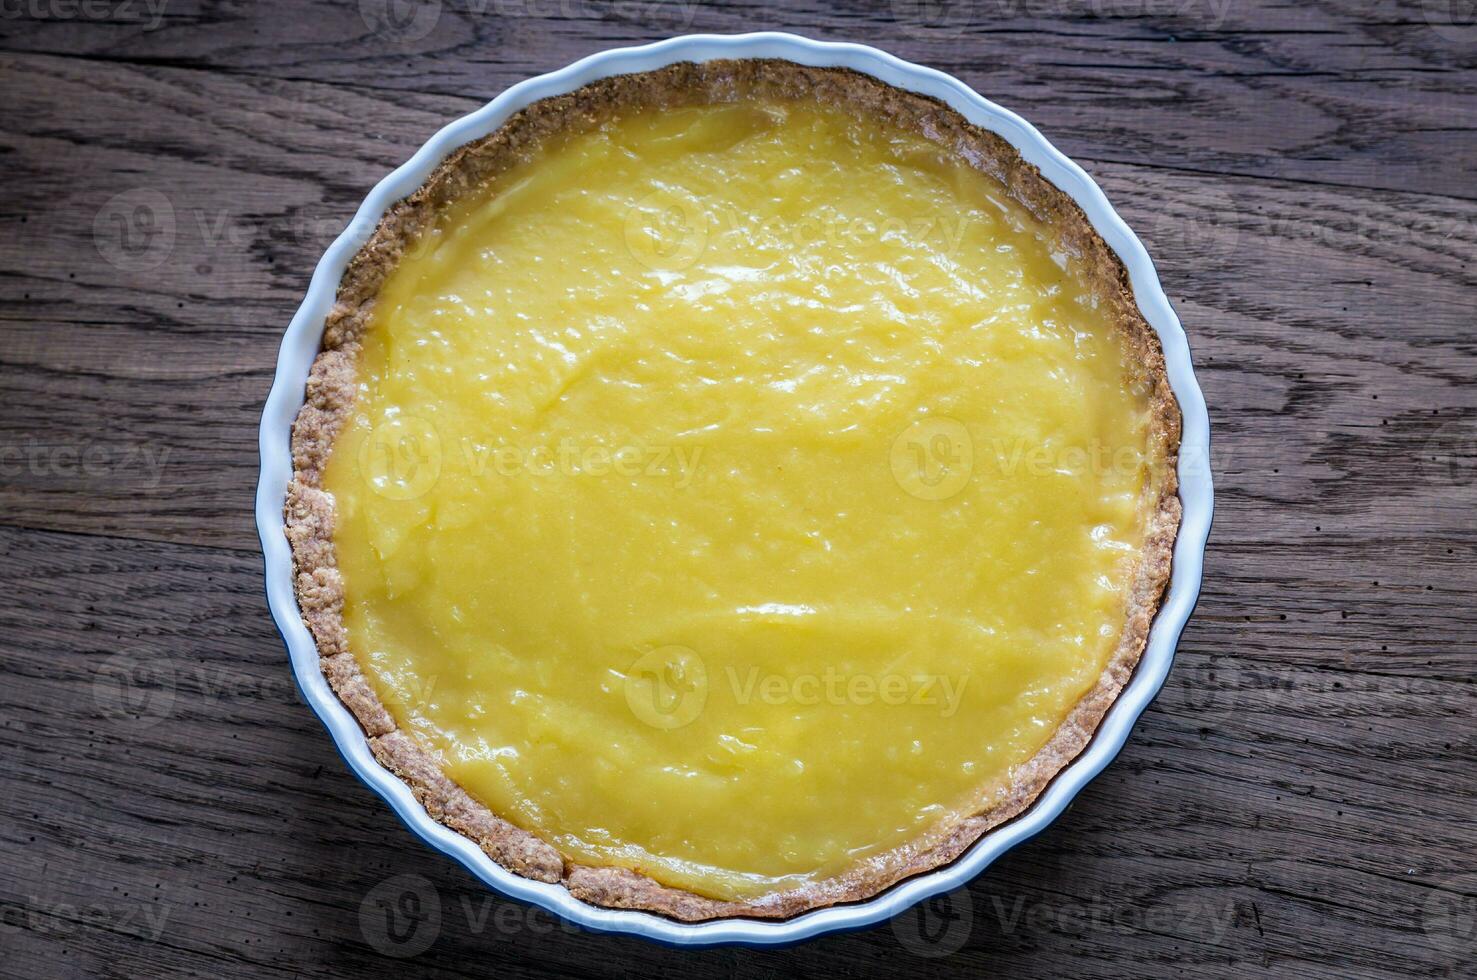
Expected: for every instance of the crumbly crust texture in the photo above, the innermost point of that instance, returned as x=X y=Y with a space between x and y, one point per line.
x=329 y=399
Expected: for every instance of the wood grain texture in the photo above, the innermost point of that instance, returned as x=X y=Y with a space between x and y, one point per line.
x=1297 y=803
x=1367 y=93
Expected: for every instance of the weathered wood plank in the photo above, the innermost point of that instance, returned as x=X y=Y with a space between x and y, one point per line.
x=162 y=775
x=135 y=381
x=1297 y=802
x=1374 y=93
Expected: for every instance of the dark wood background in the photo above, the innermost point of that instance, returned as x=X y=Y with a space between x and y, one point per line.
x=1299 y=802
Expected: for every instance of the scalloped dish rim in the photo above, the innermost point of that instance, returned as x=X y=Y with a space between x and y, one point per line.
x=301 y=343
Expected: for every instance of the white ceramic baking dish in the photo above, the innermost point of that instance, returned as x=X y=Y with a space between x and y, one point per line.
x=300 y=345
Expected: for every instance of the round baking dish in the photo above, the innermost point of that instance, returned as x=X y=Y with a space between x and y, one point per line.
x=301 y=342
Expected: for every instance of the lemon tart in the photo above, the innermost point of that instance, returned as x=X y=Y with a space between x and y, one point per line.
x=730 y=489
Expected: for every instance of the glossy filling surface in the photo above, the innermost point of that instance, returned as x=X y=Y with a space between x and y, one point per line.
x=738 y=493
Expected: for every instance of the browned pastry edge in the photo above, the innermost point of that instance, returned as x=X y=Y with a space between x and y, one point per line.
x=330 y=392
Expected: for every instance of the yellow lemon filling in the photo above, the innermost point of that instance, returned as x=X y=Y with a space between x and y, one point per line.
x=737 y=493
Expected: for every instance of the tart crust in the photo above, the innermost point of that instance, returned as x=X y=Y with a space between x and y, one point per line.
x=330 y=390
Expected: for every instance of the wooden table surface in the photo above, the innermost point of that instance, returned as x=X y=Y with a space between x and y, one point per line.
x=1299 y=802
